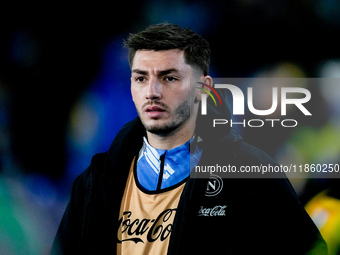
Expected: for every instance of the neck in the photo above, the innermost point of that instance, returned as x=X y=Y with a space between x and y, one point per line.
x=174 y=139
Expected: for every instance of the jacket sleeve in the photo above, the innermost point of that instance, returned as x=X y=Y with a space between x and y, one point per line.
x=296 y=233
x=281 y=224
x=71 y=228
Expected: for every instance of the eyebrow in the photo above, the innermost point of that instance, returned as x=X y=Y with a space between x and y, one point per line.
x=160 y=73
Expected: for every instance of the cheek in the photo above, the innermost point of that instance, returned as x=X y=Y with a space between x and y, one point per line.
x=132 y=94
x=185 y=99
x=135 y=94
x=194 y=93
x=186 y=95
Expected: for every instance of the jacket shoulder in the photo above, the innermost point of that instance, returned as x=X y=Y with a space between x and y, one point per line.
x=97 y=166
x=252 y=155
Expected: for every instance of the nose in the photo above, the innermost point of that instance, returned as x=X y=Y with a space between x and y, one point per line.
x=154 y=90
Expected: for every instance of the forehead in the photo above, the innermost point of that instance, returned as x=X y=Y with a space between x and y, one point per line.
x=160 y=60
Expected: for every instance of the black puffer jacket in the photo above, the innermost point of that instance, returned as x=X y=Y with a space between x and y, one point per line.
x=247 y=216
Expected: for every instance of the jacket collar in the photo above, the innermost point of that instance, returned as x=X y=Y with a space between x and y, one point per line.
x=124 y=147
x=129 y=141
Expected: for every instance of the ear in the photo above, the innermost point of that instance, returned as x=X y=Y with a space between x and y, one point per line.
x=205 y=80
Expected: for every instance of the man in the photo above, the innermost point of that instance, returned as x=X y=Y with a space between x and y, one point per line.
x=139 y=198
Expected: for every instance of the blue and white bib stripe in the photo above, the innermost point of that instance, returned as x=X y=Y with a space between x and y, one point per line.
x=177 y=162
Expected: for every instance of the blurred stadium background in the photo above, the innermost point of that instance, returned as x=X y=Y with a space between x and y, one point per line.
x=64 y=94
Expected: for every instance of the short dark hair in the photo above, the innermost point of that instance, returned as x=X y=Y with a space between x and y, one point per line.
x=167 y=36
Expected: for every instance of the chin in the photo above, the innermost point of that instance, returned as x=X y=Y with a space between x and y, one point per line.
x=161 y=129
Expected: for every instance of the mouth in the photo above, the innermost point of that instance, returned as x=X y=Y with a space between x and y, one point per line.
x=154 y=111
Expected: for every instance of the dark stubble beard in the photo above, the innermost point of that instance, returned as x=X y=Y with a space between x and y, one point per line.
x=179 y=117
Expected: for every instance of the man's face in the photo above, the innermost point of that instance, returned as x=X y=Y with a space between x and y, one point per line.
x=163 y=90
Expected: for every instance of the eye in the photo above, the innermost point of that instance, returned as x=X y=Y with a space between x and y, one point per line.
x=140 y=79
x=170 y=79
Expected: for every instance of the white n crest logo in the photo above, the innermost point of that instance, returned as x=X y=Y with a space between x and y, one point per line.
x=214 y=186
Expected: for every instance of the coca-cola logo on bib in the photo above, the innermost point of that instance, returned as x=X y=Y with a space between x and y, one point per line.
x=146 y=230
